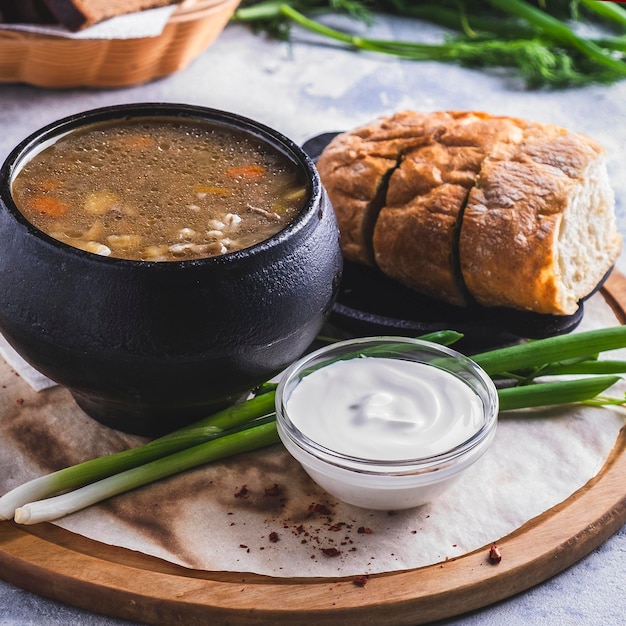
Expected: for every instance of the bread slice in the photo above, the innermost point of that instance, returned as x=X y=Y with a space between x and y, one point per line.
x=79 y=14
x=355 y=168
x=416 y=233
x=539 y=229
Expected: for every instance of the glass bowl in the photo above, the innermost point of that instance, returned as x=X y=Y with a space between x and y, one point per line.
x=319 y=425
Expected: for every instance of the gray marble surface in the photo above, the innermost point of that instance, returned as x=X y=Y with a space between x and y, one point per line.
x=305 y=88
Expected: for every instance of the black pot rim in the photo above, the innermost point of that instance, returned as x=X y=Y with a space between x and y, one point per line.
x=165 y=109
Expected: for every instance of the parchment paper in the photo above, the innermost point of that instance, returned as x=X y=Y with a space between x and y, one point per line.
x=261 y=513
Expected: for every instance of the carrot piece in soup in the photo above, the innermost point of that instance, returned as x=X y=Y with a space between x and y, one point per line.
x=136 y=142
x=249 y=172
x=49 y=205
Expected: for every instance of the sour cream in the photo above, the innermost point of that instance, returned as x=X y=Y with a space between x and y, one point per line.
x=391 y=431
x=385 y=409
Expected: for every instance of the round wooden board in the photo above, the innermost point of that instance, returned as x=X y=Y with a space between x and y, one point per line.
x=58 y=564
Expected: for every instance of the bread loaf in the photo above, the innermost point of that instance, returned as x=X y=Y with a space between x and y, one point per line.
x=465 y=206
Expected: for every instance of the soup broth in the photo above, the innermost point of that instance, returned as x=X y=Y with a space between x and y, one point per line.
x=159 y=189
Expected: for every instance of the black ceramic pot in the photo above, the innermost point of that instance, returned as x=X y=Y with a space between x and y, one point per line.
x=146 y=347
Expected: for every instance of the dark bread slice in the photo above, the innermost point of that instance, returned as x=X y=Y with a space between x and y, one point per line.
x=25 y=12
x=78 y=14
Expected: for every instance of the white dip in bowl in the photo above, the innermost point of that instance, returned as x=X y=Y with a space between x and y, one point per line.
x=386 y=422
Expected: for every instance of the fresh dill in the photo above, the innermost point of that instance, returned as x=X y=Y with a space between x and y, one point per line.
x=540 y=40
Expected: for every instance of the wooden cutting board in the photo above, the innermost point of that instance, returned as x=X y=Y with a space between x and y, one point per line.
x=117 y=582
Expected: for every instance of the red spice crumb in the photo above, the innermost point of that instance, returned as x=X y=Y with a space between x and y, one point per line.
x=495 y=555
x=337 y=527
x=274 y=538
x=361 y=581
x=330 y=552
x=274 y=490
x=322 y=509
x=364 y=530
x=242 y=493
x=20 y=400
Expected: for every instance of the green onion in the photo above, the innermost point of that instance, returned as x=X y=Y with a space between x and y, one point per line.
x=442 y=337
x=213 y=427
x=583 y=367
x=244 y=441
x=606 y=401
x=553 y=393
x=542 y=351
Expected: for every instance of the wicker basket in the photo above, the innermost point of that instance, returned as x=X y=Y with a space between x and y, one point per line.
x=49 y=61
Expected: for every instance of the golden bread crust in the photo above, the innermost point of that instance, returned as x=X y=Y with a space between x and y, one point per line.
x=355 y=166
x=416 y=232
x=515 y=221
x=463 y=205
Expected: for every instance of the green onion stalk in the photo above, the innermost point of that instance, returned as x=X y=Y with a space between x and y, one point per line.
x=251 y=425
x=252 y=438
x=230 y=420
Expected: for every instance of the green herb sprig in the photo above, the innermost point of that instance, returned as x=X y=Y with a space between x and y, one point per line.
x=540 y=40
x=250 y=425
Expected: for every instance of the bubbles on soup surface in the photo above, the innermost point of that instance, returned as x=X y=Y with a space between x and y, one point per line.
x=159 y=189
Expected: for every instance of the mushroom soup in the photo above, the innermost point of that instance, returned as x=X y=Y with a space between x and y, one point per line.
x=159 y=189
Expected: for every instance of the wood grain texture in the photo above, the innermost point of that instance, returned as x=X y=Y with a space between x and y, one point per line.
x=58 y=564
